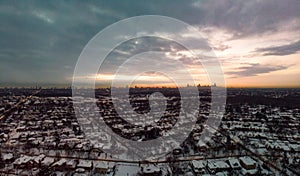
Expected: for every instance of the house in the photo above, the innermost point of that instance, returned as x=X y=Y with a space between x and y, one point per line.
x=8 y=158
x=23 y=162
x=101 y=167
x=85 y=164
x=71 y=165
x=249 y=166
x=38 y=160
x=47 y=161
x=247 y=162
x=234 y=163
x=150 y=170
x=217 y=166
x=222 y=166
x=198 y=166
x=59 y=165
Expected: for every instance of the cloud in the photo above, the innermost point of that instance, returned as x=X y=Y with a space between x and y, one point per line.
x=245 y=18
x=42 y=38
x=221 y=47
x=254 y=69
x=38 y=39
x=283 y=50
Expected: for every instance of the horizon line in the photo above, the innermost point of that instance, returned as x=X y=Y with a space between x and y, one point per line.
x=106 y=87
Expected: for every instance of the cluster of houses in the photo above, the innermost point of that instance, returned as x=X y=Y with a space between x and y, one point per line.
x=25 y=164
x=243 y=165
x=42 y=135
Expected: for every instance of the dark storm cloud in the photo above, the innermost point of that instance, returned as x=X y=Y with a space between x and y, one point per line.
x=244 y=18
x=255 y=69
x=40 y=41
x=283 y=50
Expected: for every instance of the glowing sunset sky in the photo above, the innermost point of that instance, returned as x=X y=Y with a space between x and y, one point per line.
x=257 y=42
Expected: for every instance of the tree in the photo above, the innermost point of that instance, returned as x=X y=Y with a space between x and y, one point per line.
x=2 y=164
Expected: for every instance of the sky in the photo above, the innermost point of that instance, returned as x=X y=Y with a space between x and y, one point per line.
x=257 y=42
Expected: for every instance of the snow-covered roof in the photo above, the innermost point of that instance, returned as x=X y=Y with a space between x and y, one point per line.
x=60 y=162
x=7 y=156
x=221 y=174
x=250 y=172
x=39 y=158
x=101 y=164
x=234 y=163
x=23 y=159
x=84 y=163
x=149 y=169
x=47 y=161
x=221 y=164
x=247 y=160
x=198 y=164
